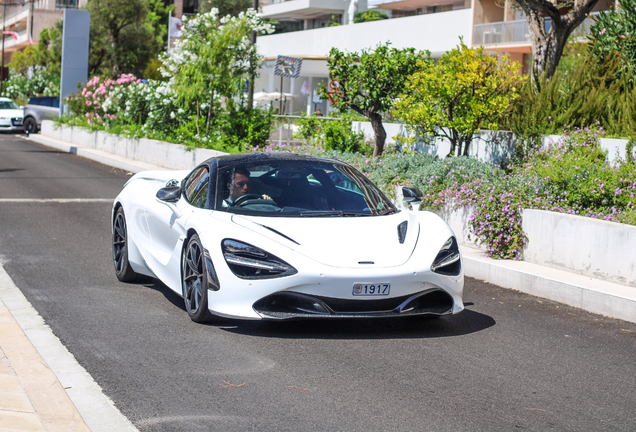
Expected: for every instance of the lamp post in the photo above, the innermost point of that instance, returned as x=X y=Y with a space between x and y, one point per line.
x=250 y=88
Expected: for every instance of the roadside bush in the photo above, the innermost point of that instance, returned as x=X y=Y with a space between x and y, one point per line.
x=241 y=128
x=368 y=16
x=339 y=136
x=21 y=87
x=334 y=134
x=581 y=93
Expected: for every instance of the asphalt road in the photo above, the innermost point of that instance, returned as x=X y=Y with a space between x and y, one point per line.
x=509 y=361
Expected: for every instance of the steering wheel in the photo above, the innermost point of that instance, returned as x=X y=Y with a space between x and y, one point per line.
x=240 y=200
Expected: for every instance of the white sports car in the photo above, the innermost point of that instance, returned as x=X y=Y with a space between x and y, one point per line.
x=282 y=236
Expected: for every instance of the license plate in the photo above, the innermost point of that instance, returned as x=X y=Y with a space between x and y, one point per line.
x=378 y=289
x=17 y=122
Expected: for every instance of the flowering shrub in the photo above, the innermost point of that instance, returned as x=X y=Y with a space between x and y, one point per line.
x=89 y=103
x=21 y=87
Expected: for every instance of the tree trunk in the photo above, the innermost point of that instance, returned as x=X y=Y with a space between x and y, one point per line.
x=467 y=142
x=380 y=134
x=453 y=142
x=547 y=46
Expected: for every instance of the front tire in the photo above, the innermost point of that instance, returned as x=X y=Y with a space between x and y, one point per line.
x=123 y=270
x=195 y=281
x=30 y=125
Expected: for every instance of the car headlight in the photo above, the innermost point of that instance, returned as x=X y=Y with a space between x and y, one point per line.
x=5 y=118
x=447 y=262
x=249 y=262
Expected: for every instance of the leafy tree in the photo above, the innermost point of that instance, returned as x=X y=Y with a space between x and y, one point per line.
x=213 y=58
x=371 y=81
x=466 y=91
x=23 y=60
x=368 y=16
x=615 y=32
x=225 y=7
x=121 y=40
x=157 y=22
x=547 y=45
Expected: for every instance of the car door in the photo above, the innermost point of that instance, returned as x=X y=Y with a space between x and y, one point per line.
x=166 y=223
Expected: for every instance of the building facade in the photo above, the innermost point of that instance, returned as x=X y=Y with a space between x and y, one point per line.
x=24 y=22
x=310 y=28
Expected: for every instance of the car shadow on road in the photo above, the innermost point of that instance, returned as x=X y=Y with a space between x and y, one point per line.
x=466 y=322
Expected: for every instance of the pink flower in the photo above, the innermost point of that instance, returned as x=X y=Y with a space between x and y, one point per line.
x=602 y=32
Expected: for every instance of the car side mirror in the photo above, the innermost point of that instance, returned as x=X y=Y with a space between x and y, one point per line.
x=169 y=194
x=412 y=196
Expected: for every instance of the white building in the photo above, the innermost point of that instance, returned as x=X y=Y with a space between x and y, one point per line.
x=310 y=28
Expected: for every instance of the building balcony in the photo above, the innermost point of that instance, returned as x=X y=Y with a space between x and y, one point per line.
x=300 y=10
x=438 y=33
x=516 y=33
x=407 y=8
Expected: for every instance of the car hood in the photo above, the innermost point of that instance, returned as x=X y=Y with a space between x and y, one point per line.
x=341 y=241
x=11 y=113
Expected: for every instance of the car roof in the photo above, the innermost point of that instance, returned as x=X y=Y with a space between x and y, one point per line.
x=5 y=99
x=265 y=157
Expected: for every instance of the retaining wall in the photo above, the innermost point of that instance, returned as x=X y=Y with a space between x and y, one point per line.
x=590 y=247
x=166 y=155
x=491 y=146
x=595 y=248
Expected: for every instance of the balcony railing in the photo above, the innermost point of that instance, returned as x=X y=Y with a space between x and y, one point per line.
x=516 y=32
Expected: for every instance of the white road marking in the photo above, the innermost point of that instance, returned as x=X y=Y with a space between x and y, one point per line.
x=55 y=200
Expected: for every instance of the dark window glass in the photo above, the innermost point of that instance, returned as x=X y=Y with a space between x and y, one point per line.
x=46 y=101
x=197 y=186
x=300 y=188
x=34 y=101
x=56 y=103
x=63 y=4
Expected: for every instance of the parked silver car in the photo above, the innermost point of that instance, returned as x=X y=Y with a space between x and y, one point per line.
x=38 y=109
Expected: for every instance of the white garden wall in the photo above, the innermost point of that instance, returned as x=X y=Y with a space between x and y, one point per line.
x=599 y=249
x=490 y=146
x=166 y=155
x=591 y=247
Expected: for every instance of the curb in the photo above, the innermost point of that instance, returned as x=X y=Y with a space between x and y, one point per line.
x=62 y=390
x=102 y=157
x=593 y=295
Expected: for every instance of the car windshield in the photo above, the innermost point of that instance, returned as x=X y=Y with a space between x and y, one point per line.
x=6 y=105
x=299 y=188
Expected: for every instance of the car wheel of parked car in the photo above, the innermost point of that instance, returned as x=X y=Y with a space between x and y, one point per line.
x=195 y=281
x=124 y=271
x=30 y=125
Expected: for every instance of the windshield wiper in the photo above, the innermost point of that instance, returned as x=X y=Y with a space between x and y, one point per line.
x=388 y=211
x=332 y=213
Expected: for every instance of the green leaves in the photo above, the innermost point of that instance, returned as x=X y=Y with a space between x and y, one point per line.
x=371 y=81
x=465 y=91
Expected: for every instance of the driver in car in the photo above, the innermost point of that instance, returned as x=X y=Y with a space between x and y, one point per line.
x=239 y=185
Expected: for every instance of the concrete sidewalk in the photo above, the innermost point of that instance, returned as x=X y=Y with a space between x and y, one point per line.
x=42 y=387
